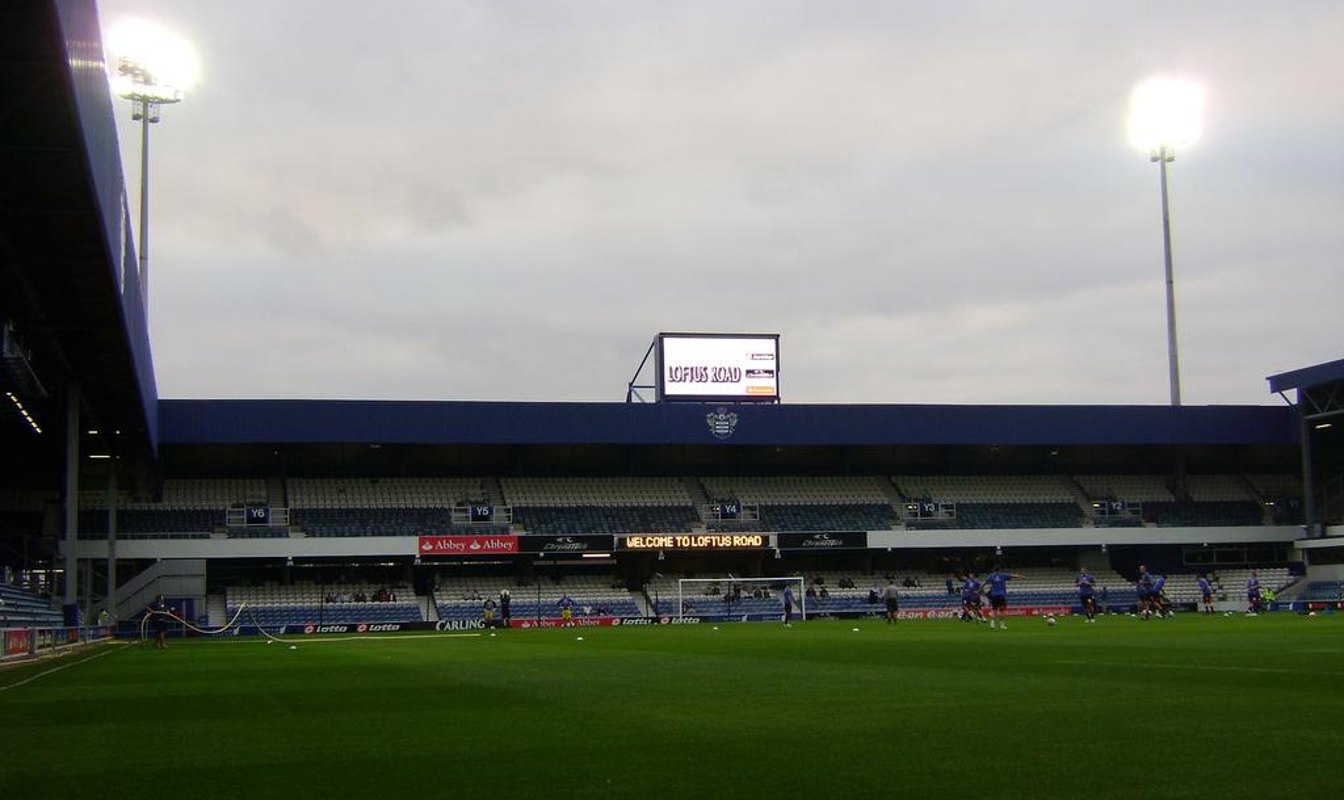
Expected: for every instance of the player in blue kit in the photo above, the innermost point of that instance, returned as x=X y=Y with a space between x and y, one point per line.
x=971 y=610
x=787 y=599
x=1206 y=592
x=996 y=586
x=1253 y=594
x=566 y=606
x=1144 y=591
x=1161 y=606
x=1087 y=586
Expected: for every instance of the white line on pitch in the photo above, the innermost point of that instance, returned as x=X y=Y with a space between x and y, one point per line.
x=1205 y=667
x=44 y=673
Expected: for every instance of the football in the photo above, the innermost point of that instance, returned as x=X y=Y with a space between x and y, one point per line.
x=1050 y=621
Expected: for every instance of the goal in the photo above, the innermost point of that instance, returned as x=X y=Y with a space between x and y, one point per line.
x=739 y=599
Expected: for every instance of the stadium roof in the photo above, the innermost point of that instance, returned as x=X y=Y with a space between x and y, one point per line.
x=1307 y=377
x=67 y=267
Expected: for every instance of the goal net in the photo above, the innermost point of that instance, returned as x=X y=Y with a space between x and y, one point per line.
x=740 y=599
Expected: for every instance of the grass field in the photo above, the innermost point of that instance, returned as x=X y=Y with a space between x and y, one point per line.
x=1186 y=708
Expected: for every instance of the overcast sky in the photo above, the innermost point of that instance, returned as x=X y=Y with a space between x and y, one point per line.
x=931 y=202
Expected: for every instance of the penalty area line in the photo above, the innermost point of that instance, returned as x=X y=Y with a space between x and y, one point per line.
x=378 y=638
x=53 y=670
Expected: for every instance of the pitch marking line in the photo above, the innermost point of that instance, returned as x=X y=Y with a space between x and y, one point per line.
x=1202 y=667
x=379 y=638
x=45 y=673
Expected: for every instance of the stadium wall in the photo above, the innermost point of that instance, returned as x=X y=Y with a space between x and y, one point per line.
x=222 y=422
x=406 y=546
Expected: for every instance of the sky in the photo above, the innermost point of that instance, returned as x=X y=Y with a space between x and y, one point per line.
x=930 y=202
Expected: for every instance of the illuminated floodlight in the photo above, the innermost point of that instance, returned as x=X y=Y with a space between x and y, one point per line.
x=1165 y=113
x=152 y=67
x=151 y=63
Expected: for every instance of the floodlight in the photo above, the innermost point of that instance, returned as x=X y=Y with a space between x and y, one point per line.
x=1165 y=113
x=151 y=60
x=153 y=67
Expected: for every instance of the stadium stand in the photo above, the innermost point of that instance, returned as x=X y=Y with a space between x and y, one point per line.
x=1129 y=488
x=1214 y=514
x=190 y=508
x=385 y=506
x=305 y=602
x=567 y=506
x=811 y=491
x=826 y=503
x=1323 y=591
x=412 y=493
x=20 y=608
x=824 y=518
x=564 y=521
x=996 y=501
x=1282 y=496
x=462 y=597
x=598 y=492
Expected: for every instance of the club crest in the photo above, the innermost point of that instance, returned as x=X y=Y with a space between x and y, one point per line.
x=722 y=422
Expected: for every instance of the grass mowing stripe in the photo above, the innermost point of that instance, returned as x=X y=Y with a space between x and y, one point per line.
x=1209 y=667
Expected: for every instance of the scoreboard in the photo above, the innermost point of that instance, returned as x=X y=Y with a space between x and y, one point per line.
x=718 y=367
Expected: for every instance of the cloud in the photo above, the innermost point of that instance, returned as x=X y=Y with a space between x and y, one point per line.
x=931 y=203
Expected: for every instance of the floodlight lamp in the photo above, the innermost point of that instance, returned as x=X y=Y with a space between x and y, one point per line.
x=1165 y=113
x=153 y=64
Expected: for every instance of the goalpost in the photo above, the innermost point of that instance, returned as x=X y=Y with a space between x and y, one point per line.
x=698 y=597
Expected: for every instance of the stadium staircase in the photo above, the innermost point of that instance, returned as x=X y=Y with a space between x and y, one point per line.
x=179 y=577
x=699 y=497
x=429 y=610
x=216 y=611
x=1084 y=502
x=893 y=495
x=494 y=490
x=276 y=494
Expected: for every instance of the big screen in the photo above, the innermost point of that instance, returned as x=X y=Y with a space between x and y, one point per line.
x=718 y=367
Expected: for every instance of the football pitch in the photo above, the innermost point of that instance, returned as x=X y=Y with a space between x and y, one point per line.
x=1192 y=707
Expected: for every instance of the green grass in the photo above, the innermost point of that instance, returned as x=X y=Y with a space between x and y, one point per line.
x=1185 y=708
